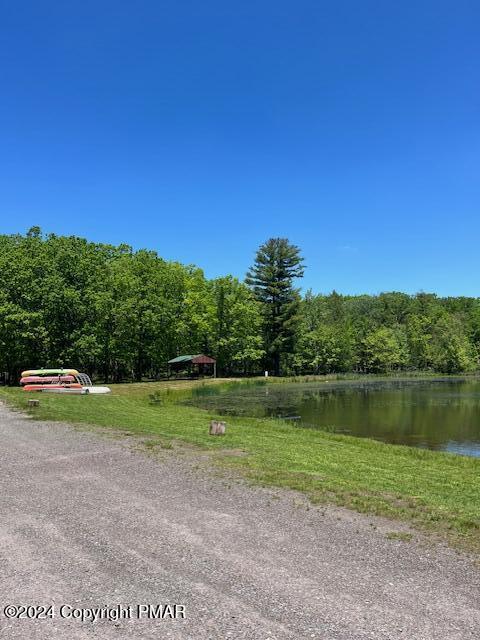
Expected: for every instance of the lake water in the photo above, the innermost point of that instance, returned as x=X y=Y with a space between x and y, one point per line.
x=441 y=414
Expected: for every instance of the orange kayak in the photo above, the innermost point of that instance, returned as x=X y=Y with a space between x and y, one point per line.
x=41 y=387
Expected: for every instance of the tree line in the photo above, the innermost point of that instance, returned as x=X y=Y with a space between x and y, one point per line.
x=122 y=314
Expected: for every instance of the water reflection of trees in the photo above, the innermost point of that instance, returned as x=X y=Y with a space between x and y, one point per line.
x=421 y=413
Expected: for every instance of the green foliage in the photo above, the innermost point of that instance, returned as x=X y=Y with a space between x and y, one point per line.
x=326 y=349
x=116 y=313
x=237 y=326
x=122 y=314
x=277 y=264
x=383 y=349
x=392 y=331
x=452 y=352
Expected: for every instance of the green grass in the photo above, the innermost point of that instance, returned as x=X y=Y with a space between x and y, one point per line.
x=434 y=491
x=403 y=536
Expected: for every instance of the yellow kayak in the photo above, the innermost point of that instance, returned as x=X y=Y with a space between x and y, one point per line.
x=49 y=372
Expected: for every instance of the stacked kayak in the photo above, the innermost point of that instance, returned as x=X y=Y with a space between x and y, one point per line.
x=45 y=379
x=49 y=372
x=59 y=381
x=41 y=379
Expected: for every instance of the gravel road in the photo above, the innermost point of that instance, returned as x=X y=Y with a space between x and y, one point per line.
x=89 y=521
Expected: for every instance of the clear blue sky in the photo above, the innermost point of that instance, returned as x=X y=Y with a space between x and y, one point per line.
x=200 y=129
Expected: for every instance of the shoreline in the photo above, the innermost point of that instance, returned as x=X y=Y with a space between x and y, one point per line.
x=433 y=491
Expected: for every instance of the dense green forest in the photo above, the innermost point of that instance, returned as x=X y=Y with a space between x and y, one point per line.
x=121 y=314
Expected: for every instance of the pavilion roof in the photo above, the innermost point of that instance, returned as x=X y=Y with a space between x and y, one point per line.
x=199 y=358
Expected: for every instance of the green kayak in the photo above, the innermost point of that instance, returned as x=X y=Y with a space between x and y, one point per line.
x=49 y=372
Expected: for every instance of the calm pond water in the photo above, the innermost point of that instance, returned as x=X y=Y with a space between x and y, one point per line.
x=441 y=413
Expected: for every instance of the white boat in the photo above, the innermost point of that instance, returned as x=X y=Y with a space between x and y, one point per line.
x=82 y=391
x=95 y=390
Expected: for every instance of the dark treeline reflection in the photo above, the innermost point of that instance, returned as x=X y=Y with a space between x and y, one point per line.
x=441 y=414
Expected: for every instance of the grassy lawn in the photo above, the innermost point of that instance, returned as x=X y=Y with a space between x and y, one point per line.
x=434 y=491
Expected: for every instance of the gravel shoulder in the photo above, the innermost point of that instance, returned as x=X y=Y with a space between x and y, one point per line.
x=89 y=521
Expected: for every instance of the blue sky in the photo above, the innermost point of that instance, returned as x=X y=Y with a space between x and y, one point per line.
x=200 y=129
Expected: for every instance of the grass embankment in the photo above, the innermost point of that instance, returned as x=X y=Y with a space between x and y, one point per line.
x=435 y=491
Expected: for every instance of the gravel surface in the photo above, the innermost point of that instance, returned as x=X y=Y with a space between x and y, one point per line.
x=90 y=521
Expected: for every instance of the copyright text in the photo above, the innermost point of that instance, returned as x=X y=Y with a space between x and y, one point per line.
x=94 y=614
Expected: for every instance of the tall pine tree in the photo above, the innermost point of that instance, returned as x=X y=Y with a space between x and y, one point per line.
x=277 y=264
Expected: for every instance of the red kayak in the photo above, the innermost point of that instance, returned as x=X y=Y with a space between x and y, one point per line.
x=41 y=387
x=46 y=379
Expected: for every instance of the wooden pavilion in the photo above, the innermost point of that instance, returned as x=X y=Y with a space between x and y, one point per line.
x=196 y=365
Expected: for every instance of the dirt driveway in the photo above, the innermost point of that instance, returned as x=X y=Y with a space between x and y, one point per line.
x=91 y=524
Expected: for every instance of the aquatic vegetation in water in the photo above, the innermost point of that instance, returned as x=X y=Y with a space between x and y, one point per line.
x=434 y=413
